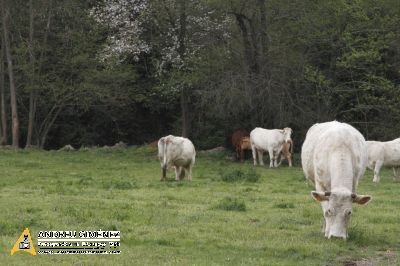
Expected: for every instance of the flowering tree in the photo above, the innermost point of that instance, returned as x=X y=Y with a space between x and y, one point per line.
x=125 y=20
x=172 y=31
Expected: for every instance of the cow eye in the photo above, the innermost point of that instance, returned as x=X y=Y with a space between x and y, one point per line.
x=348 y=212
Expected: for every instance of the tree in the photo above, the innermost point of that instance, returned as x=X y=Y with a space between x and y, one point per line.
x=172 y=32
x=13 y=93
x=199 y=68
x=32 y=101
x=3 y=115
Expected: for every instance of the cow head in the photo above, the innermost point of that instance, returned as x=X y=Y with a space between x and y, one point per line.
x=287 y=133
x=337 y=208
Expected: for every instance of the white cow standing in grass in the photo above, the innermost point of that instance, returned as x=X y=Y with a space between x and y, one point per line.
x=270 y=140
x=383 y=154
x=334 y=157
x=178 y=152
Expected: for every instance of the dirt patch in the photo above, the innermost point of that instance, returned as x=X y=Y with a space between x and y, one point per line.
x=363 y=262
x=67 y=148
x=387 y=258
x=214 y=150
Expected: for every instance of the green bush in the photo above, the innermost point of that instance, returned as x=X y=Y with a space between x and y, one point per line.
x=120 y=184
x=231 y=204
x=238 y=175
x=284 y=205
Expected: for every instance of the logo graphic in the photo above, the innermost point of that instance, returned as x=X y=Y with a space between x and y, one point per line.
x=24 y=243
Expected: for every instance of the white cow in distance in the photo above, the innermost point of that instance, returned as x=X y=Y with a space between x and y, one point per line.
x=176 y=152
x=270 y=140
x=383 y=154
x=334 y=157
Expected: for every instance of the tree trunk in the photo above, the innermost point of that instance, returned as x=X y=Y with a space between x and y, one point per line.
x=185 y=113
x=181 y=52
x=13 y=93
x=256 y=55
x=32 y=94
x=263 y=60
x=263 y=25
x=240 y=19
x=33 y=97
x=47 y=124
x=3 y=115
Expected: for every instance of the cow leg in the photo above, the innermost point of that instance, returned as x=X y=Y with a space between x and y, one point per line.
x=177 y=172
x=276 y=156
x=182 y=173
x=241 y=155
x=237 y=153
x=274 y=159
x=164 y=174
x=281 y=159
x=190 y=172
x=289 y=157
x=325 y=206
x=254 y=152
x=377 y=170
x=260 y=157
x=395 y=173
x=271 y=158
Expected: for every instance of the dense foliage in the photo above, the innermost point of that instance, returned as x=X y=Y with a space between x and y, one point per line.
x=101 y=71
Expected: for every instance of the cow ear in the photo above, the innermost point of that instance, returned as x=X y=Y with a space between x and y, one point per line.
x=361 y=199
x=320 y=196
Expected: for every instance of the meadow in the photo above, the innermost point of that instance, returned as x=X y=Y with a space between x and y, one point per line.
x=222 y=217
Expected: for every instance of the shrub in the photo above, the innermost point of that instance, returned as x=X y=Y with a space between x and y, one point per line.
x=238 y=175
x=231 y=204
x=120 y=184
x=284 y=205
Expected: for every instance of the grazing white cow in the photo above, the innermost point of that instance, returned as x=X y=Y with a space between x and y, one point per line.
x=176 y=152
x=270 y=140
x=383 y=154
x=334 y=157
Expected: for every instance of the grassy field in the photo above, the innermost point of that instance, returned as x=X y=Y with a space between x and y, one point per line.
x=208 y=221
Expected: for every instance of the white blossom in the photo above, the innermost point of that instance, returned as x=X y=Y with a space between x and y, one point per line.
x=127 y=21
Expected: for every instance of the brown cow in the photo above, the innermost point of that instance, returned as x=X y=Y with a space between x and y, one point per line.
x=244 y=144
x=286 y=152
x=237 y=136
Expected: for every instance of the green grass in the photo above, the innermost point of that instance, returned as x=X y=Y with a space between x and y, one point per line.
x=273 y=221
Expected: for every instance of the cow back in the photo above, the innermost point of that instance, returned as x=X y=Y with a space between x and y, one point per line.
x=176 y=151
x=325 y=139
x=265 y=139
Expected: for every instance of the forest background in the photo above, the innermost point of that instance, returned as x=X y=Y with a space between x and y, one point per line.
x=101 y=71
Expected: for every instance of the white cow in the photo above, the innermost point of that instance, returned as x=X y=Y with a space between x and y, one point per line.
x=383 y=153
x=176 y=152
x=270 y=140
x=334 y=157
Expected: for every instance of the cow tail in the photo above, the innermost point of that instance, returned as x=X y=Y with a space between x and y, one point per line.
x=165 y=152
x=164 y=169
